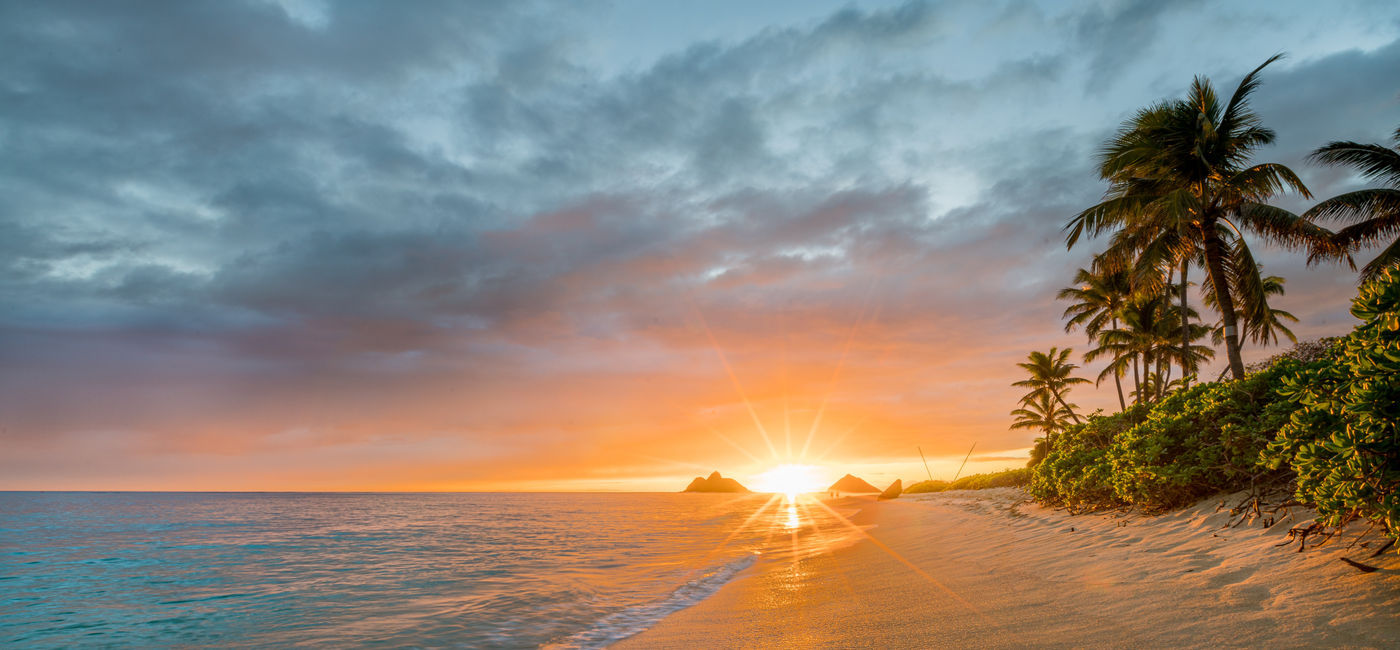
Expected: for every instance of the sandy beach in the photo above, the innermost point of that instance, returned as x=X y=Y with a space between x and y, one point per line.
x=991 y=569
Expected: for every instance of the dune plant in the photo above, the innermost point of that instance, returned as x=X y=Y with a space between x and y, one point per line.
x=1344 y=440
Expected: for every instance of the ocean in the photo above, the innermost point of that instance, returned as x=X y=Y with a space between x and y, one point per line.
x=454 y=570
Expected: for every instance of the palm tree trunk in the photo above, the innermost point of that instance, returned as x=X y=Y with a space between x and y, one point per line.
x=1137 y=381
x=1157 y=376
x=1147 y=377
x=1117 y=380
x=1164 y=358
x=1066 y=405
x=1185 y=331
x=1215 y=265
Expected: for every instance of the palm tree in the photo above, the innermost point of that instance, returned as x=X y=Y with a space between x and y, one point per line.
x=1376 y=211
x=1099 y=297
x=1042 y=412
x=1146 y=342
x=1050 y=378
x=1180 y=190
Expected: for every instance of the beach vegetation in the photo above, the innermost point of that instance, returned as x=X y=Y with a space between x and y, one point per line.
x=1324 y=415
x=1077 y=473
x=1343 y=440
x=1017 y=477
x=1195 y=442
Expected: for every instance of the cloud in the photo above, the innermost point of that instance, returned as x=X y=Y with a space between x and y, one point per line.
x=1117 y=35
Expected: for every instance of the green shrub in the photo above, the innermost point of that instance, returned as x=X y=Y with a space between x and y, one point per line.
x=926 y=486
x=1008 y=478
x=1075 y=471
x=1199 y=441
x=1192 y=444
x=1344 y=440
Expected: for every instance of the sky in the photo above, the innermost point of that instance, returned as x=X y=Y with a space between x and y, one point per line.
x=282 y=245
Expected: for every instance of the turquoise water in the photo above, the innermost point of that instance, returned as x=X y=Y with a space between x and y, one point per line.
x=377 y=570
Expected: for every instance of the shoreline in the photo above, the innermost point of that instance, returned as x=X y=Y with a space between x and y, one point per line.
x=988 y=568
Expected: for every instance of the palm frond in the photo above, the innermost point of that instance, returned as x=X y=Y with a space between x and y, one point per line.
x=1376 y=163
x=1389 y=258
x=1281 y=226
x=1237 y=115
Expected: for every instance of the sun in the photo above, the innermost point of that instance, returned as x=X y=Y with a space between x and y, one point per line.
x=790 y=480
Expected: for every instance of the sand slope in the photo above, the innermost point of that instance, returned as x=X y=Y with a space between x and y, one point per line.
x=990 y=569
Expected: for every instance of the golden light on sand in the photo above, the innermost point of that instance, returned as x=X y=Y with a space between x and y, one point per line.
x=791 y=480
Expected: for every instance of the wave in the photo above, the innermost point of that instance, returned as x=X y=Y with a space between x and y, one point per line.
x=632 y=620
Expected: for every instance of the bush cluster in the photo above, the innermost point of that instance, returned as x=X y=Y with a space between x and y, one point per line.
x=1199 y=441
x=1194 y=443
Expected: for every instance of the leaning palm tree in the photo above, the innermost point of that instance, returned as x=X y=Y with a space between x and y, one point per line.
x=1376 y=212
x=1099 y=297
x=1051 y=377
x=1180 y=180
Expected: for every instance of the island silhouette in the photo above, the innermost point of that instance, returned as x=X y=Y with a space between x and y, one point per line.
x=852 y=484
x=715 y=483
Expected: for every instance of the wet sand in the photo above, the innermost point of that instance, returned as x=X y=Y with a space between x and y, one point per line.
x=989 y=569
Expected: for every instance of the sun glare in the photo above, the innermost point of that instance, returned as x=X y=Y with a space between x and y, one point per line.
x=790 y=480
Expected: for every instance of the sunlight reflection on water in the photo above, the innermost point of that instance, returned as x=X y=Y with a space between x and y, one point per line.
x=793 y=521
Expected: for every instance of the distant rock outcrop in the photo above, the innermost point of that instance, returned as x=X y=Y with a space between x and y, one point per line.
x=893 y=491
x=715 y=483
x=853 y=485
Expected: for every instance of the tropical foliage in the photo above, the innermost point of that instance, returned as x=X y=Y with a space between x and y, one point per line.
x=1326 y=414
x=1344 y=440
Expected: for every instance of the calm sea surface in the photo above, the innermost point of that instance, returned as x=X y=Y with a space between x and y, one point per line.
x=337 y=570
